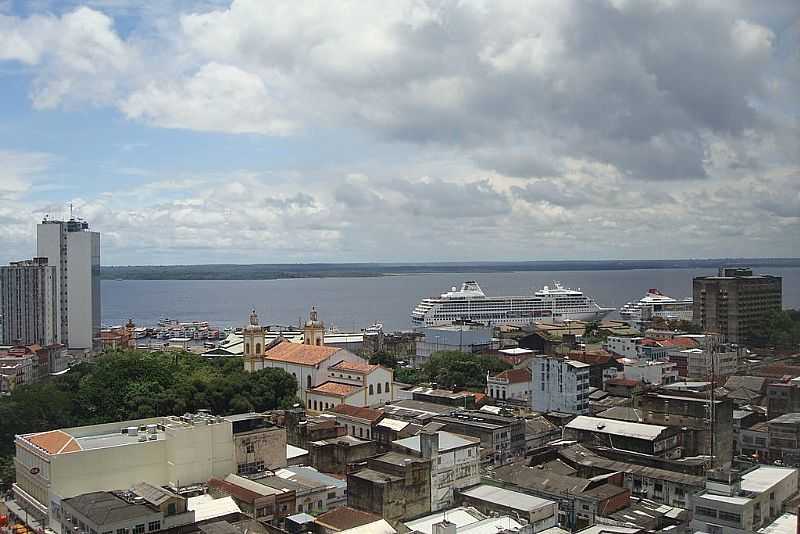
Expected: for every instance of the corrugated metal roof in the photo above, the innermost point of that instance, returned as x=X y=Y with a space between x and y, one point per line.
x=514 y=499
x=618 y=428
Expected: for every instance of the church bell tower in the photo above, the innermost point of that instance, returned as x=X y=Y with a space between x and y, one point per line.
x=253 y=339
x=314 y=330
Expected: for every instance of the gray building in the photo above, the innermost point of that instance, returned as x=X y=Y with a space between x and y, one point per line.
x=28 y=302
x=734 y=302
x=502 y=438
x=74 y=251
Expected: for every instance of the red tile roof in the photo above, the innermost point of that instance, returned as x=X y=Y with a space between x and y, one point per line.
x=234 y=490
x=369 y=414
x=515 y=376
x=335 y=389
x=289 y=352
x=350 y=367
x=344 y=518
x=685 y=342
x=55 y=442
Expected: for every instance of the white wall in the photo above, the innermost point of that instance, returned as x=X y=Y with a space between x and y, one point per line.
x=453 y=469
x=561 y=392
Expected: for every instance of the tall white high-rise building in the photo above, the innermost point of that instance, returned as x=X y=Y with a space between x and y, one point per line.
x=29 y=302
x=559 y=384
x=75 y=253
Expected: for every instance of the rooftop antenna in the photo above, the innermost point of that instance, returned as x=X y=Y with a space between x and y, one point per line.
x=70 y=210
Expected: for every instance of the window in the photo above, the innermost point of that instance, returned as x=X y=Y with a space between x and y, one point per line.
x=703 y=511
x=360 y=432
x=370 y=390
x=171 y=509
x=153 y=526
x=315 y=405
x=319 y=505
x=331 y=494
x=122 y=531
x=730 y=516
x=379 y=388
x=138 y=529
x=258 y=348
x=247 y=348
x=308 y=381
x=250 y=448
x=387 y=387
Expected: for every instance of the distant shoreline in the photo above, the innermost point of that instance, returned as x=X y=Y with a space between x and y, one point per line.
x=372 y=270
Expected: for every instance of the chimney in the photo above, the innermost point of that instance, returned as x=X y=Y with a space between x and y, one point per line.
x=429 y=444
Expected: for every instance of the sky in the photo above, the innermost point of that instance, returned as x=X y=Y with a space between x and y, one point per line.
x=255 y=131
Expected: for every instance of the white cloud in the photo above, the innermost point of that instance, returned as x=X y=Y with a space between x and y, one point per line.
x=216 y=98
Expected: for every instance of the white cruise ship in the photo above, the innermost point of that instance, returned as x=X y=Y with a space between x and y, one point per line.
x=549 y=304
x=656 y=304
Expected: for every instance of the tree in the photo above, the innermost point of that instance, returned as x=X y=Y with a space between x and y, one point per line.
x=453 y=368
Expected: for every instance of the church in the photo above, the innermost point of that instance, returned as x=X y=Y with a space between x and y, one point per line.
x=326 y=376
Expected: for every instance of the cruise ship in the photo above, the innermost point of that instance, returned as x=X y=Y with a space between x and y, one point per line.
x=549 y=304
x=656 y=304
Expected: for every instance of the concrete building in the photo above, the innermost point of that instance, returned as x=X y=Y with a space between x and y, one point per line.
x=723 y=359
x=559 y=385
x=579 y=500
x=165 y=451
x=17 y=370
x=256 y=501
x=74 y=251
x=29 y=303
x=539 y=513
x=143 y=508
x=625 y=346
x=638 y=438
x=654 y=373
x=741 y=504
x=455 y=462
x=463 y=520
x=784 y=439
x=661 y=485
x=340 y=454
x=460 y=338
x=358 y=421
x=259 y=445
x=502 y=438
x=734 y=302
x=331 y=491
x=512 y=384
x=754 y=441
x=394 y=486
x=783 y=397
x=690 y=413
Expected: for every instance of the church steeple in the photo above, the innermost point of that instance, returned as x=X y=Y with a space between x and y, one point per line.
x=253 y=339
x=314 y=329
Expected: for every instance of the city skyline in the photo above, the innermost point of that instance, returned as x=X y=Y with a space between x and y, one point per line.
x=243 y=132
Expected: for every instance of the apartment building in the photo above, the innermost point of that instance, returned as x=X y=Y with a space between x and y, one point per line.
x=29 y=303
x=502 y=438
x=734 y=302
x=74 y=251
x=559 y=385
x=735 y=503
x=638 y=438
x=649 y=372
x=455 y=462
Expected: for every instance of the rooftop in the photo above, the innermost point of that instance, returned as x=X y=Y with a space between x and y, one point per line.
x=447 y=442
x=787 y=418
x=504 y=497
x=515 y=376
x=296 y=353
x=344 y=518
x=311 y=477
x=785 y=524
x=460 y=517
x=104 y=507
x=393 y=424
x=369 y=414
x=375 y=476
x=206 y=507
x=615 y=427
x=764 y=477
x=335 y=389
x=398 y=458
x=350 y=367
